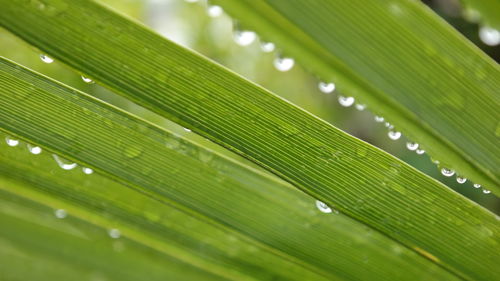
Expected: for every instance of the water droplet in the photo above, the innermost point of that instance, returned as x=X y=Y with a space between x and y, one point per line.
x=489 y=36
x=461 y=180
x=476 y=185
x=267 y=47
x=187 y=130
x=214 y=11
x=420 y=151
x=283 y=64
x=60 y=213
x=412 y=146
x=485 y=191
x=394 y=135
x=244 y=37
x=326 y=87
x=346 y=101
x=114 y=233
x=388 y=125
x=379 y=119
x=34 y=149
x=63 y=163
x=11 y=142
x=360 y=106
x=323 y=207
x=87 y=171
x=46 y=59
x=447 y=172
x=87 y=80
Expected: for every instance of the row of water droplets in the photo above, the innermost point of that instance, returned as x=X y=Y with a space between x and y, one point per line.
x=246 y=37
x=488 y=35
x=65 y=165
x=61 y=162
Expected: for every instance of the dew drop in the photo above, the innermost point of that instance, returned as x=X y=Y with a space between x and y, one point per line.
x=283 y=64
x=11 y=142
x=214 y=11
x=461 y=180
x=360 y=106
x=267 y=47
x=379 y=119
x=394 y=135
x=326 y=87
x=485 y=191
x=46 y=59
x=63 y=163
x=60 y=213
x=34 y=149
x=346 y=101
x=420 y=151
x=489 y=36
x=476 y=185
x=114 y=233
x=87 y=171
x=187 y=130
x=87 y=80
x=412 y=146
x=447 y=172
x=244 y=37
x=323 y=207
x=388 y=125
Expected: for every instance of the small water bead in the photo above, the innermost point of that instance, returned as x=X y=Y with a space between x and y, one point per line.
x=267 y=47
x=214 y=11
x=46 y=59
x=389 y=125
x=63 y=163
x=114 y=233
x=486 y=191
x=34 y=149
x=87 y=80
x=323 y=207
x=412 y=146
x=476 y=185
x=244 y=37
x=283 y=64
x=420 y=151
x=394 y=135
x=326 y=87
x=346 y=101
x=379 y=119
x=60 y=213
x=489 y=36
x=447 y=172
x=360 y=106
x=11 y=142
x=87 y=171
x=461 y=180
x=187 y=130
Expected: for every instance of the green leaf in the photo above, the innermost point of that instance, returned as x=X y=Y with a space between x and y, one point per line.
x=193 y=205
x=404 y=62
x=383 y=192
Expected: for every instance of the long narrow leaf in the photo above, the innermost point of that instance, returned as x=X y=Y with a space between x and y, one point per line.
x=247 y=226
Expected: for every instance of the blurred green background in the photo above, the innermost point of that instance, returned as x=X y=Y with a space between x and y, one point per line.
x=210 y=32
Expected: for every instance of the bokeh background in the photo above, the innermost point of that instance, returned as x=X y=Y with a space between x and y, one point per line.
x=211 y=33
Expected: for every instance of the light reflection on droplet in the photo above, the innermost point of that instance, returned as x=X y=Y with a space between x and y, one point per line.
x=447 y=172
x=214 y=11
x=267 y=47
x=87 y=171
x=11 y=141
x=34 y=149
x=283 y=64
x=394 y=135
x=87 y=80
x=461 y=180
x=489 y=36
x=63 y=163
x=326 y=87
x=346 y=101
x=46 y=59
x=244 y=37
x=412 y=146
x=114 y=233
x=476 y=185
x=60 y=213
x=323 y=207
